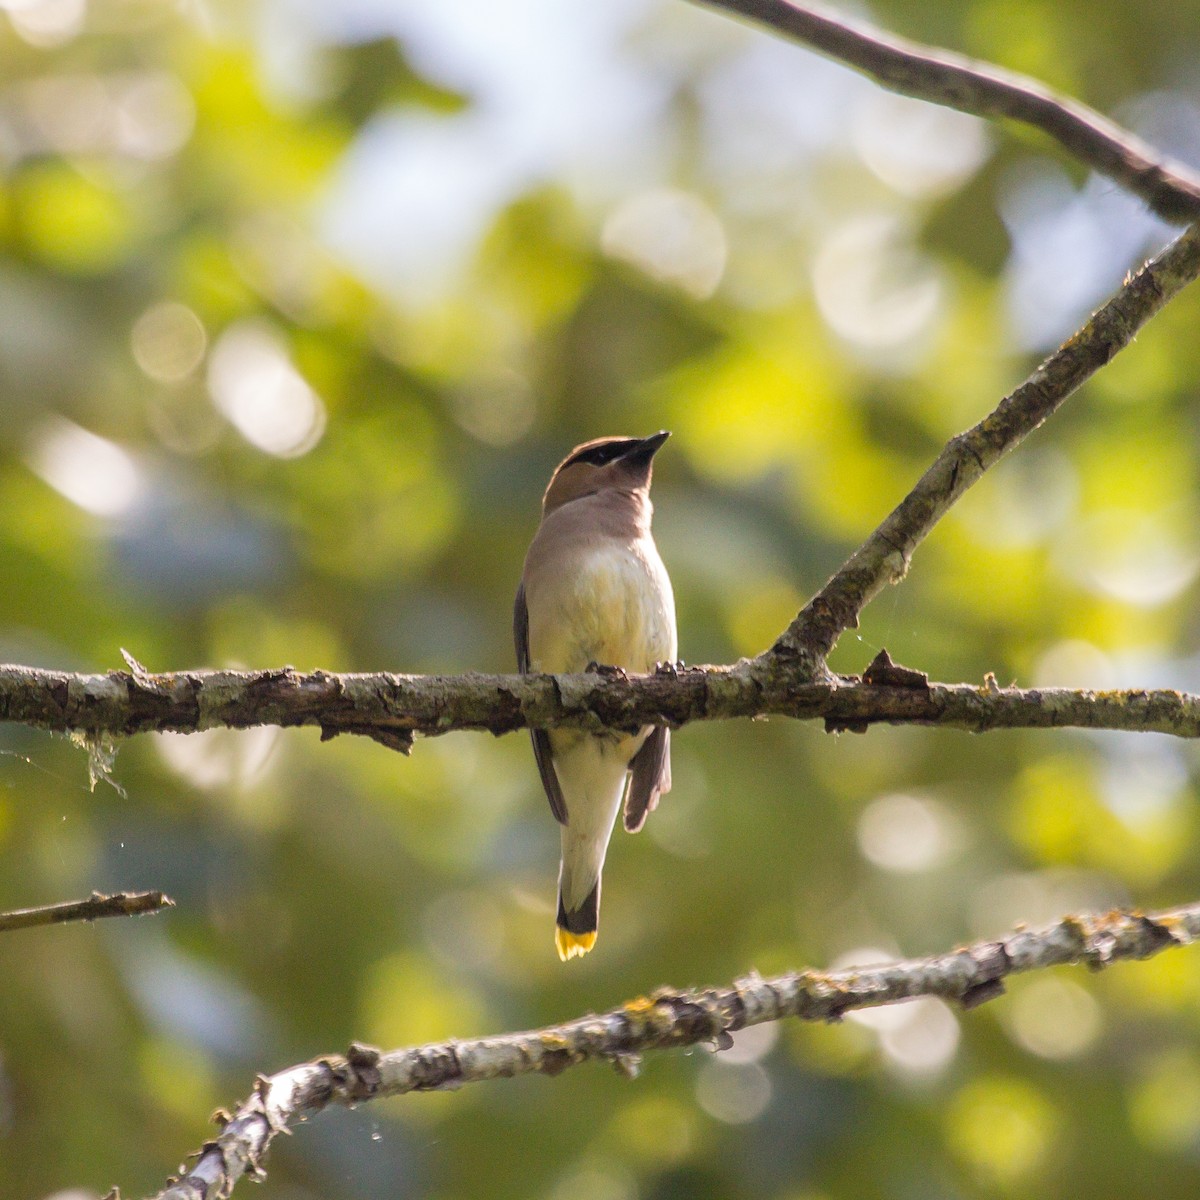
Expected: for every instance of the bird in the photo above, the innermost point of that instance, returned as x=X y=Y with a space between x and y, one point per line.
x=594 y=594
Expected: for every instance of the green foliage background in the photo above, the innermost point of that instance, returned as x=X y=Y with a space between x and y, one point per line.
x=336 y=892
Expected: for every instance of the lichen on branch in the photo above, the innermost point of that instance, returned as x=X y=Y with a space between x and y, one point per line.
x=395 y=708
x=668 y=1018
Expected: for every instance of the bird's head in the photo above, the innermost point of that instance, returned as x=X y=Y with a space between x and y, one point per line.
x=618 y=463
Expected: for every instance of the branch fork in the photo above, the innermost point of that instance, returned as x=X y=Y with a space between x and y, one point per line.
x=791 y=678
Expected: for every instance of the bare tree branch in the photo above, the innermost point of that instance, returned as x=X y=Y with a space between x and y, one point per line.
x=791 y=678
x=123 y=904
x=885 y=555
x=393 y=708
x=668 y=1018
x=970 y=86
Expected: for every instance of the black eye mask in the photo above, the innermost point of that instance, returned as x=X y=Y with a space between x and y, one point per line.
x=602 y=455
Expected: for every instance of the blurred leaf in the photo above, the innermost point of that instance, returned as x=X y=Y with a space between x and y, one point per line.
x=73 y=222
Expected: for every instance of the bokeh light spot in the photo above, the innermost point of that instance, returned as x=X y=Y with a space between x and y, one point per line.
x=1131 y=556
x=734 y=1093
x=873 y=287
x=90 y=471
x=46 y=23
x=671 y=235
x=1053 y=1018
x=916 y=148
x=925 y=1041
x=168 y=341
x=1074 y=663
x=1164 y=1104
x=595 y=1181
x=904 y=833
x=253 y=383
x=752 y=1043
x=497 y=409
x=220 y=758
x=1003 y=1128
x=153 y=115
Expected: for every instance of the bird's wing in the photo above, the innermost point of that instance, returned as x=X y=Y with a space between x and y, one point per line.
x=651 y=767
x=541 y=739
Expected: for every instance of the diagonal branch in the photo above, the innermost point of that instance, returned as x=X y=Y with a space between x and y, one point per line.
x=970 y=86
x=394 y=708
x=885 y=555
x=790 y=679
x=123 y=904
x=668 y=1018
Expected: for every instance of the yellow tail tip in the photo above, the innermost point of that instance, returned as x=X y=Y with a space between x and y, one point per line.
x=570 y=945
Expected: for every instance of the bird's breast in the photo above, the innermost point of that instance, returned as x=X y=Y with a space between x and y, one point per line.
x=608 y=604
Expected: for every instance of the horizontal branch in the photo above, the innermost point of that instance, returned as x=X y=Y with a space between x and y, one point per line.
x=668 y=1018
x=123 y=904
x=884 y=557
x=790 y=679
x=394 y=708
x=955 y=81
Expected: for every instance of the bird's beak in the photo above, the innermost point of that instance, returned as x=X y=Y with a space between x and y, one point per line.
x=643 y=450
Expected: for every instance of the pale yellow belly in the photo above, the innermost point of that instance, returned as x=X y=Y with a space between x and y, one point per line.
x=614 y=608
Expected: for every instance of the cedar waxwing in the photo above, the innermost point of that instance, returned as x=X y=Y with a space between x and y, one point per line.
x=595 y=592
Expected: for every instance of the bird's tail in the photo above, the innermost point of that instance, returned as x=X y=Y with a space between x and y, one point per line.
x=575 y=931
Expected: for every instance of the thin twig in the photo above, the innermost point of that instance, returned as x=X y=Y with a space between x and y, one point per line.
x=668 y=1018
x=123 y=904
x=393 y=708
x=970 y=86
x=884 y=557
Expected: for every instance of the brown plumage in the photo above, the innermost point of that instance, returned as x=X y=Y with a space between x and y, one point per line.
x=594 y=591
